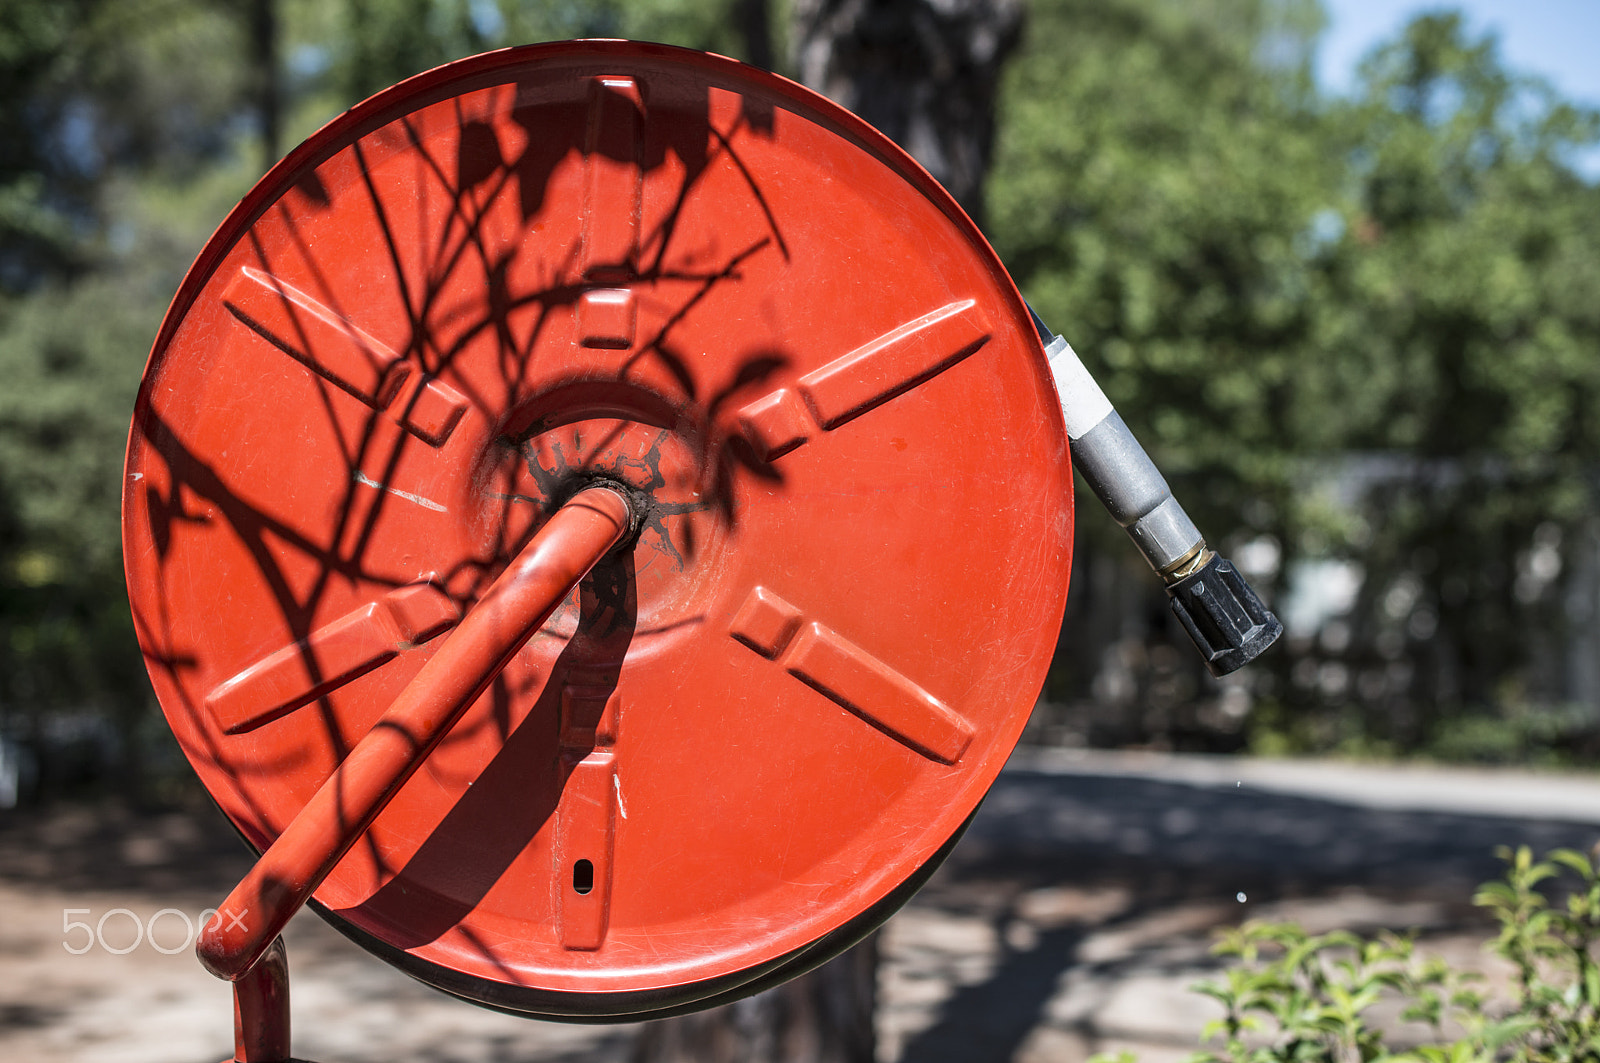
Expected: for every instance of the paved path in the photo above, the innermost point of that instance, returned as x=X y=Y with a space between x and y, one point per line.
x=1279 y=821
x=1080 y=908
x=1070 y=920
x=1497 y=792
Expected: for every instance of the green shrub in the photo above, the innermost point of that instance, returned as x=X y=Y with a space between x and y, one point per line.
x=1294 y=997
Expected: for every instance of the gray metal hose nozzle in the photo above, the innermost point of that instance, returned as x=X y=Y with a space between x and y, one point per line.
x=1222 y=614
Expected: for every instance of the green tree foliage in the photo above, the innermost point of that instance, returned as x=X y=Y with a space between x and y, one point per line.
x=380 y=42
x=1155 y=182
x=1462 y=330
x=128 y=128
x=1363 y=328
x=118 y=123
x=67 y=640
x=93 y=90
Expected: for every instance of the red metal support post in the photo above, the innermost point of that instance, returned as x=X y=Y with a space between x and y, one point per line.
x=261 y=1009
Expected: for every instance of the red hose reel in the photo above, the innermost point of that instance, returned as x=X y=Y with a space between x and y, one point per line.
x=730 y=357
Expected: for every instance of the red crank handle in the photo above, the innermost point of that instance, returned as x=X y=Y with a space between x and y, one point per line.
x=571 y=542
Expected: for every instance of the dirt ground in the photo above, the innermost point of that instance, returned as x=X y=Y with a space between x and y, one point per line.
x=1072 y=919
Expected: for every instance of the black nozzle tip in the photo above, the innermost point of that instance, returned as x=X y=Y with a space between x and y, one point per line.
x=1223 y=616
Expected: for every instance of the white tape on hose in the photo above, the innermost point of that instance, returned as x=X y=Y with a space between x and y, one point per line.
x=1083 y=404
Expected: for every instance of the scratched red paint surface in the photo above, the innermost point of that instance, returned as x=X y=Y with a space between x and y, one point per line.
x=538 y=266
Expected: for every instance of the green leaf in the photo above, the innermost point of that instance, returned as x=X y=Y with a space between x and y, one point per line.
x=1575 y=860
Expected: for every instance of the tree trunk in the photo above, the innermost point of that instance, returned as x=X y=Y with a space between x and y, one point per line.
x=754 y=22
x=822 y=1017
x=924 y=72
x=264 y=63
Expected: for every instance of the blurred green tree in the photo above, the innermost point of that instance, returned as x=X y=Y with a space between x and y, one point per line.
x=114 y=121
x=1357 y=331
x=1353 y=330
x=128 y=128
x=1160 y=174
x=1459 y=338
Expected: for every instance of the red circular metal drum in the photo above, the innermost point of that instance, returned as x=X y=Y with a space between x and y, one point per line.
x=749 y=736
